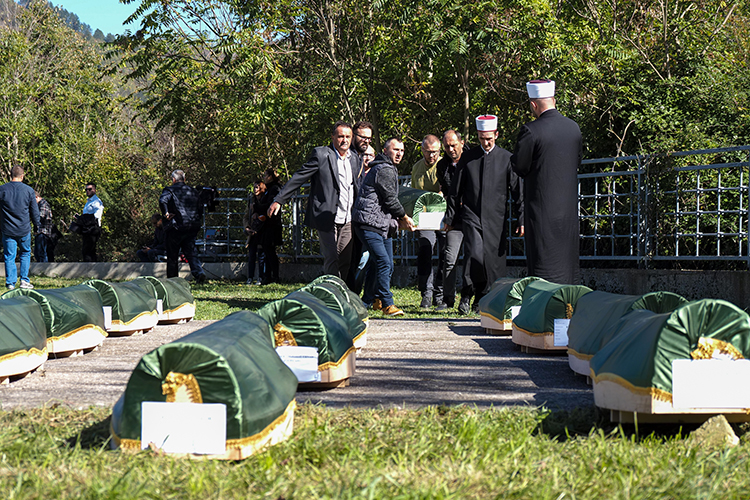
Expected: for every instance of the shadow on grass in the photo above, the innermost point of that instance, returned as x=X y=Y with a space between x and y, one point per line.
x=252 y=304
x=93 y=437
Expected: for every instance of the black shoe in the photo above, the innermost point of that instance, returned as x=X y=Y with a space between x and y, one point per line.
x=464 y=307
x=426 y=303
x=442 y=306
x=200 y=279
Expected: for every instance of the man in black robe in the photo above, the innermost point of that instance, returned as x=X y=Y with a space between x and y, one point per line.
x=478 y=197
x=547 y=155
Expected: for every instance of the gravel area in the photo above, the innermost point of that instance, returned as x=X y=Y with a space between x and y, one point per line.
x=406 y=362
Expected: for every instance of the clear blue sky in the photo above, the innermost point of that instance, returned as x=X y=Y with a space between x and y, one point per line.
x=106 y=15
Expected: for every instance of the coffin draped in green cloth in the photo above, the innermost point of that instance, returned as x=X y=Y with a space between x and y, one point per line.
x=173 y=292
x=417 y=201
x=128 y=300
x=598 y=314
x=641 y=353
x=306 y=321
x=66 y=310
x=544 y=302
x=504 y=294
x=22 y=327
x=352 y=297
x=233 y=361
x=336 y=301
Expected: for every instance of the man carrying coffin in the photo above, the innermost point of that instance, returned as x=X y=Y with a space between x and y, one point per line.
x=547 y=155
x=478 y=197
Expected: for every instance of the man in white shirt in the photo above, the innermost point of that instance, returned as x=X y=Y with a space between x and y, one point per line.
x=95 y=207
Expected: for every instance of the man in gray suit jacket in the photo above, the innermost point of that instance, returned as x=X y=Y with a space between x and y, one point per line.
x=332 y=172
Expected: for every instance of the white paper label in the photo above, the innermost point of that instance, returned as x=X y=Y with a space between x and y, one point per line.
x=514 y=310
x=107 y=317
x=710 y=383
x=430 y=220
x=303 y=361
x=561 y=332
x=160 y=306
x=184 y=427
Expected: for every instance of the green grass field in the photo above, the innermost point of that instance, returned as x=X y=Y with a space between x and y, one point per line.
x=434 y=452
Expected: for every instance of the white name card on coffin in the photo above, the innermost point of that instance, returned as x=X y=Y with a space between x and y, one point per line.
x=430 y=221
x=302 y=360
x=710 y=383
x=195 y=428
x=107 y=317
x=560 y=335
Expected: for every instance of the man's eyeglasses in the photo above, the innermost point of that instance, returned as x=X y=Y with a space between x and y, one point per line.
x=367 y=139
x=89 y=189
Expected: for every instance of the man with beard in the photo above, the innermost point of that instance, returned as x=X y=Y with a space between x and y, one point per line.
x=480 y=187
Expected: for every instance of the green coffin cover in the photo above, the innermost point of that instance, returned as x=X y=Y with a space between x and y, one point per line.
x=128 y=300
x=640 y=355
x=416 y=201
x=233 y=362
x=22 y=327
x=336 y=301
x=66 y=310
x=173 y=292
x=306 y=321
x=504 y=294
x=598 y=314
x=544 y=302
x=352 y=297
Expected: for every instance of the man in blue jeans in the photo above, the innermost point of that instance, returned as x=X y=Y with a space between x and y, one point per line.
x=17 y=209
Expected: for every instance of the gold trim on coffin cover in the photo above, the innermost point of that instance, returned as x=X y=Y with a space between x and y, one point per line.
x=568 y=315
x=336 y=364
x=283 y=336
x=364 y=332
x=70 y=334
x=237 y=449
x=708 y=347
x=119 y=322
x=181 y=388
x=652 y=392
x=27 y=352
x=584 y=357
x=501 y=321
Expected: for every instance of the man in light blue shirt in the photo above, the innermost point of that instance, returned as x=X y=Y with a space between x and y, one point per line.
x=95 y=207
x=18 y=209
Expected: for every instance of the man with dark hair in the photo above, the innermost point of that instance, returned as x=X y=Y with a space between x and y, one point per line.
x=479 y=191
x=91 y=228
x=331 y=171
x=548 y=152
x=377 y=214
x=454 y=147
x=43 y=239
x=424 y=176
x=18 y=209
x=362 y=137
x=182 y=207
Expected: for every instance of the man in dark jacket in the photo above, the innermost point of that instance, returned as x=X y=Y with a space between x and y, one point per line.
x=547 y=155
x=480 y=189
x=374 y=217
x=18 y=209
x=182 y=207
x=331 y=171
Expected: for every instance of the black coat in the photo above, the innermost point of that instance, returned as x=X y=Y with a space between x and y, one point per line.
x=270 y=230
x=185 y=204
x=480 y=192
x=547 y=155
x=320 y=170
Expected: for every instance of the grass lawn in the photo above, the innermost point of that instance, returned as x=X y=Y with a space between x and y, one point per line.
x=434 y=452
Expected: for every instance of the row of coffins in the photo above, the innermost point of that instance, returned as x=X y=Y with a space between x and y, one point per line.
x=35 y=324
x=241 y=365
x=644 y=354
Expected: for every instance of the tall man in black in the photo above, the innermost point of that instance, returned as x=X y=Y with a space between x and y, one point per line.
x=332 y=171
x=480 y=188
x=182 y=207
x=547 y=155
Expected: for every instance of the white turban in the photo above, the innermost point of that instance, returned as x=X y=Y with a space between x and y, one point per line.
x=540 y=89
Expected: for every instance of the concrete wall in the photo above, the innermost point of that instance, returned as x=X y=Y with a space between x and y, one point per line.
x=733 y=286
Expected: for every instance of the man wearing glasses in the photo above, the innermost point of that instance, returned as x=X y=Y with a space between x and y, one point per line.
x=362 y=137
x=95 y=207
x=424 y=176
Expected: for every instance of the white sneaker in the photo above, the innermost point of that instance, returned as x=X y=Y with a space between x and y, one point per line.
x=26 y=285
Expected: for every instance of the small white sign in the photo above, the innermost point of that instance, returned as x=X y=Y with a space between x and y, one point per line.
x=160 y=306
x=710 y=383
x=561 y=332
x=184 y=427
x=303 y=361
x=514 y=310
x=107 y=317
x=430 y=220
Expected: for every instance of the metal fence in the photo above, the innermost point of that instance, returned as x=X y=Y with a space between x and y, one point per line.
x=645 y=211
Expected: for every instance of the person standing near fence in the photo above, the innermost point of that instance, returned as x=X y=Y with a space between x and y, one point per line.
x=182 y=207
x=43 y=238
x=331 y=171
x=547 y=155
x=18 y=209
x=270 y=234
x=253 y=221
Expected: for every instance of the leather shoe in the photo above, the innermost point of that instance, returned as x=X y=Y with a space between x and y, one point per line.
x=464 y=307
